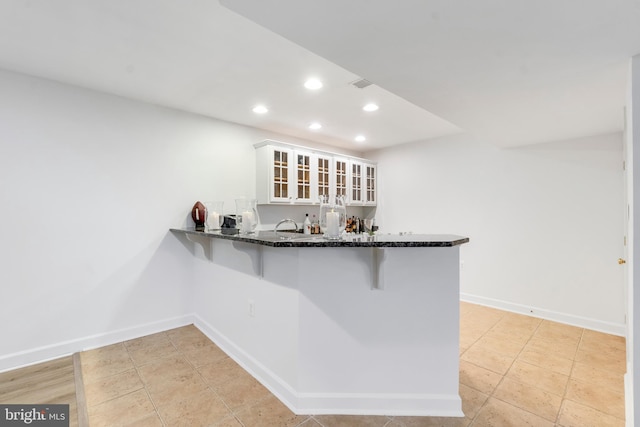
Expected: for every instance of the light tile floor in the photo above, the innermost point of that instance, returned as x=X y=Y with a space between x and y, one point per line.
x=514 y=371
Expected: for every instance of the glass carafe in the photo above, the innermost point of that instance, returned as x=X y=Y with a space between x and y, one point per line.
x=333 y=216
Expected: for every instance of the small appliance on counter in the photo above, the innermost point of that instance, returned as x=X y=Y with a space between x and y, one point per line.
x=229 y=225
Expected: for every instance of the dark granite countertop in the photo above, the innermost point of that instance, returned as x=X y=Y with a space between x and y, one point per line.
x=295 y=240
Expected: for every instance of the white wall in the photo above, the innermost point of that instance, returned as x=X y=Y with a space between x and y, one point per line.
x=545 y=221
x=90 y=185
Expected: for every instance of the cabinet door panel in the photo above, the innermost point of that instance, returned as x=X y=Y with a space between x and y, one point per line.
x=324 y=176
x=341 y=174
x=370 y=185
x=356 y=182
x=303 y=175
x=280 y=170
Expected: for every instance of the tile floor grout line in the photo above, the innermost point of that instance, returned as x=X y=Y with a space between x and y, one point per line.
x=573 y=364
x=111 y=376
x=479 y=338
x=505 y=375
x=209 y=387
x=232 y=413
x=489 y=396
x=144 y=385
x=557 y=417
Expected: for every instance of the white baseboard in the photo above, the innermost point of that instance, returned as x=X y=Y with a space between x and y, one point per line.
x=65 y=348
x=582 y=322
x=418 y=405
x=334 y=403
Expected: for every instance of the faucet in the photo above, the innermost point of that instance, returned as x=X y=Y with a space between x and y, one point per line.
x=284 y=221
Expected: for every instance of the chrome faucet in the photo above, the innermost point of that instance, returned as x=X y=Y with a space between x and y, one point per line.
x=284 y=221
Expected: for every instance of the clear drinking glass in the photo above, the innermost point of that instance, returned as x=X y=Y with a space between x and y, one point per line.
x=368 y=223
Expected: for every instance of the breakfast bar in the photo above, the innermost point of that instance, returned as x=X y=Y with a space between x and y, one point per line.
x=361 y=325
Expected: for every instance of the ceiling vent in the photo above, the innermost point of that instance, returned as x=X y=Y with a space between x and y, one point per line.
x=361 y=83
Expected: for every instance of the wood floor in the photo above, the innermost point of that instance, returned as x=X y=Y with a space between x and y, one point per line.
x=514 y=371
x=48 y=382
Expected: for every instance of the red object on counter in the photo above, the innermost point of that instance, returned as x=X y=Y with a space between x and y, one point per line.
x=199 y=214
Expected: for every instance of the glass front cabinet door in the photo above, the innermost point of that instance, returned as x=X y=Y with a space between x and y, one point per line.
x=357 y=195
x=274 y=167
x=280 y=168
x=370 y=185
x=323 y=171
x=303 y=177
x=341 y=176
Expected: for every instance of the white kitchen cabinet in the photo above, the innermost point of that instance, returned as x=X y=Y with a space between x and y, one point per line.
x=287 y=173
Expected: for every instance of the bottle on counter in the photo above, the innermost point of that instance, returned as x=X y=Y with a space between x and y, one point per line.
x=306 y=225
x=315 y=226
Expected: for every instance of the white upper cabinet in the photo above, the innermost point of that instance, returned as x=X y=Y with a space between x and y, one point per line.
x=287 y=173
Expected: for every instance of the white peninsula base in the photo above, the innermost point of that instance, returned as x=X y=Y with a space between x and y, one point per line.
x=336 y=330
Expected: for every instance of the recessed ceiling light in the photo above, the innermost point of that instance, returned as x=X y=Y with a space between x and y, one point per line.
x=313 y=84
x=370 y=107
x=315 y=126
x=361 y=138
x=260 y=109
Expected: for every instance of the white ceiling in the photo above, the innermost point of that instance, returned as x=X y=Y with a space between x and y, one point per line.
x=511 y=71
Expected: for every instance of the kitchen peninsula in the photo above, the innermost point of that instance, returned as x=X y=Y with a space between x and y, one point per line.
x=366 y=325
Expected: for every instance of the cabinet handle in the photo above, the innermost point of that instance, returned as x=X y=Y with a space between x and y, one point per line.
x=622 y=261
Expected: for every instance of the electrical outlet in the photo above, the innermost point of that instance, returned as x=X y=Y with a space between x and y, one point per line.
x=252 y=309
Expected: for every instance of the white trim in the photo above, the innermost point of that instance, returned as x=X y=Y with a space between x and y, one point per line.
x=582 y=322
x=65 y=348
x=628 y=396
x=400 y=404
